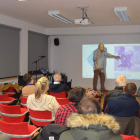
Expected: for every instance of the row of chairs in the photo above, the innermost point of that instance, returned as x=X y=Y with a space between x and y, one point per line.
x=60 y=99
x=13 y=117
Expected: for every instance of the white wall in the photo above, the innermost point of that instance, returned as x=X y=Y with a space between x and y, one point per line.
x=23 y=38
x=67 y=57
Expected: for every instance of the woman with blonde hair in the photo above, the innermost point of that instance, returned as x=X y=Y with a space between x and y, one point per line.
x=40 y=101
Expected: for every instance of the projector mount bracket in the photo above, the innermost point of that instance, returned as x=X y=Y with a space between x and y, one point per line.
x=84 y=10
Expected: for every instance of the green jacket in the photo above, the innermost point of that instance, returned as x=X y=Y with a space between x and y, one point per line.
x=91 y=127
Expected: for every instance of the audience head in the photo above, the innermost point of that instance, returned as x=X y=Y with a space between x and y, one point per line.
x=57 y=78
x=121 y=81
x=76 y=95
x=28 y=78
x=89 y=105
x=130 y=88
x=41 y=86
x=101 y=47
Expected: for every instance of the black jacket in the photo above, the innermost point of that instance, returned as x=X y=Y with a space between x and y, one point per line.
x=51 y=130
x=112 y=93
x=57 y=88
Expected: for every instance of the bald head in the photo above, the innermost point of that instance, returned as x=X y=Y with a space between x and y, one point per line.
x=121 y=81
x=101 y=47
x=57 y=78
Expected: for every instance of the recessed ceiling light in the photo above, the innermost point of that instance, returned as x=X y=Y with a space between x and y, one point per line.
x=122 y=13
x=24 y=0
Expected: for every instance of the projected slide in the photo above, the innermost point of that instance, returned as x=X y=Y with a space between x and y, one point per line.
x=128 y=65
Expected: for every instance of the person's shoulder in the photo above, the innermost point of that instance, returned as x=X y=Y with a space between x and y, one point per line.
x=63 y=107
x=66 y=135
x=30 y=97
x=28 y=86
x=97 y=50
x=114 y=92
x=113 y=99
x=64 y=85
x=136 y=102
x=24 y=88
x=49 y=97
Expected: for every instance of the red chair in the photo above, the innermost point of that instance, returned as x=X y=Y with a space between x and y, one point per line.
x=40 y=118
x=12 y=114
x=126 y=137
x=18 y=131
x=10 y=91
x=23 y=101
x=58 y=95
x=62 y=101
x=5 y=99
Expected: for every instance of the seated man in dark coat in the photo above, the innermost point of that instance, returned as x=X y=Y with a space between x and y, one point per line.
x=57 y=87
x=121 y=82
x=124 y=105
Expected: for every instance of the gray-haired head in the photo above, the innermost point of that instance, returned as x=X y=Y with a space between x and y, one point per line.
x=101 y=46
x=121 y=81
x=57 y=78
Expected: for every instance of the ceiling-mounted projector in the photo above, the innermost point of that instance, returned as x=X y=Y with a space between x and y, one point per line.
x=82 y=21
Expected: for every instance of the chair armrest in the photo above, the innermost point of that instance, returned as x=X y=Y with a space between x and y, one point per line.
x=41 y=120
x=13 y=115
x=9 y=92
x=5 y=102
x=23 y=104
x=21 y=136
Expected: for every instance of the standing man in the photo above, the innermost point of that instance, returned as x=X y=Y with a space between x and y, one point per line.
x=99 y=65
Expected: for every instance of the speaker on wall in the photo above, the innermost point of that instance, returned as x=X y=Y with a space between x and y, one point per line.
x=56 y=42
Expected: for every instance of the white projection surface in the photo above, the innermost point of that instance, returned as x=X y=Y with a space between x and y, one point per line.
x=128 y=64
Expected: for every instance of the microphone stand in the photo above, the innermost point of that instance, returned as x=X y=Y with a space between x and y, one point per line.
x=36 y=65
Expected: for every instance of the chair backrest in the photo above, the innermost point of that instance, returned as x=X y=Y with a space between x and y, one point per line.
x=42 y=115
x=23 y=101
x=58 y=95
x=7 y=111
x=10 y=90
x=62 y=101
x=4 y=97
x=15 y=109
x=14 y=128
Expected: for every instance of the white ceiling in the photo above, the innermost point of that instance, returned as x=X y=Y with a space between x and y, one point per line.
x=101 y=12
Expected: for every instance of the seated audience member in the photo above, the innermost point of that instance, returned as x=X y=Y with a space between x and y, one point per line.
x=29 y=88
x=57 y=87
x=121 y=82
x=40 y=101
x=89 y=124
x=124 y=105
x=64 y=111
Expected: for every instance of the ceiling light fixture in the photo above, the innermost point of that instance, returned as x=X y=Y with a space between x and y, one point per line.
x=122 y=13
x=59 y=16
x=21 y=0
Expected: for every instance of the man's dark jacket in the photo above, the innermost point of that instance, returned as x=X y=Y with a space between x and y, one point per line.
x=123 y=106
x=57 y=88
x=112 y=93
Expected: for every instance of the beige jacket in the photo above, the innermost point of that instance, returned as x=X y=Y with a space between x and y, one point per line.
x=28 y=90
